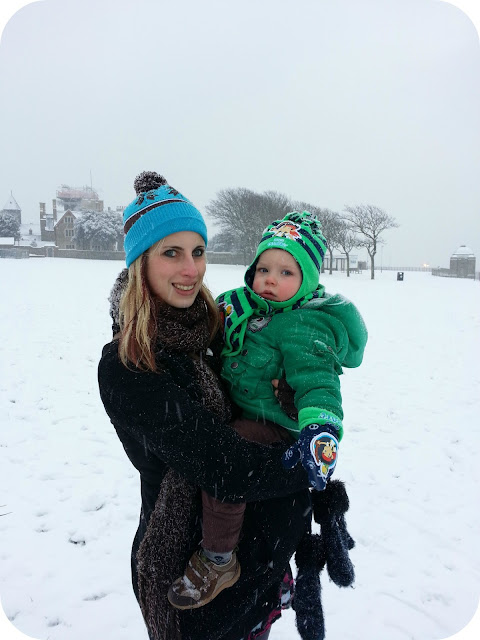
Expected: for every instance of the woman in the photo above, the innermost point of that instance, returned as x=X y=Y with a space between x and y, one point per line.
x=158 y=382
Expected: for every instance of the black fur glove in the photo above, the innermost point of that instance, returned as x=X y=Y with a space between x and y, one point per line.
x=329 y=508
x=314 y=551
x=307 y=601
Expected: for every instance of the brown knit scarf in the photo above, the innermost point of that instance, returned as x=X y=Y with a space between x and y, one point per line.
x=170 y=535
x=187 y=331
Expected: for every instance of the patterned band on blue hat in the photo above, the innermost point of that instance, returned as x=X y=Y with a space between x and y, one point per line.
x=135 y=216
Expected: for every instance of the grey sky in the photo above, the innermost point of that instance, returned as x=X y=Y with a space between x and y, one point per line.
x=334 y=103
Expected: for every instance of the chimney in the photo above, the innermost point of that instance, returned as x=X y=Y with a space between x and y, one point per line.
x=54 y=208
x=42 y=210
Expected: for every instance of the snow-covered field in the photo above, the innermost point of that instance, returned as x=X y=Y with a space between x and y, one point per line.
x=410 y=457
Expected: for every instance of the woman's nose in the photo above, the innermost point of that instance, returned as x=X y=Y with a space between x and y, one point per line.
x=189 y=268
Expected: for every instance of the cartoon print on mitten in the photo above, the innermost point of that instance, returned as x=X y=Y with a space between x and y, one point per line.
x=324 y=449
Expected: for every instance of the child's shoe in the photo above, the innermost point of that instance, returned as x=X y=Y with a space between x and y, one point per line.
x=203 y=581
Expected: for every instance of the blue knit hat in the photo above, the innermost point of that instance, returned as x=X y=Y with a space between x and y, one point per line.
x=157 y=211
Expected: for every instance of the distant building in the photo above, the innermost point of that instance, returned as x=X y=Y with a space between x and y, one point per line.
x=462 y=263
x=11 y=207
x=58 y=225
x=64 y=229
x=339 y=262
x=47 y=222
x=79 y=199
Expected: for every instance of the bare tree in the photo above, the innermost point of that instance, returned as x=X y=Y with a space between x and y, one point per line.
x=224 y=241
x=347 y=240
x=331 y=225
x=370 y=222
x=245 y=214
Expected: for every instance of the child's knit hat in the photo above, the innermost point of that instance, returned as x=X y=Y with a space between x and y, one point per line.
x=299 y=234
x=157 y=211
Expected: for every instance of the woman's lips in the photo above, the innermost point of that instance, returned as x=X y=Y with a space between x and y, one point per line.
x=184 y=289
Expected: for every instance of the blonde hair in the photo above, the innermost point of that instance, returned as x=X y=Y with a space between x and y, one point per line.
x=138 y=317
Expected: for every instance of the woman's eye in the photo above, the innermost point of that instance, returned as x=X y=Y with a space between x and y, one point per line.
x=170 y=253
x=199 y=252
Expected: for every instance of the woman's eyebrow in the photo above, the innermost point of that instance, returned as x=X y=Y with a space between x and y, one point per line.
x=177 y=248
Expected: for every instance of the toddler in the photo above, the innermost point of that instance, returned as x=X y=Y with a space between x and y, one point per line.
x=282 y=323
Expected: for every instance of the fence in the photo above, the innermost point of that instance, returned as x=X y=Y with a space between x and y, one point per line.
x=446 y=273
x=50 y=251
x=21 y=252
x=382 y=268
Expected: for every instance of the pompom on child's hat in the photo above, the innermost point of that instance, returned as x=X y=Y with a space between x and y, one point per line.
x=300 y=234
x=157 y=211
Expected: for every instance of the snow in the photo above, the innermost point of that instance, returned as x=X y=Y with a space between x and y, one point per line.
x=11 y=204
x=463 y=250
x=409 y=458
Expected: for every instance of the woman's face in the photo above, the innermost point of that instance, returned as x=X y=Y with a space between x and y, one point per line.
x=175 y=268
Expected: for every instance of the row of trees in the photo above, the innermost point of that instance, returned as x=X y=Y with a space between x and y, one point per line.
x=242 y=215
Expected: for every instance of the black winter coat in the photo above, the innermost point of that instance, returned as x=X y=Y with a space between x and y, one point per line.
x=161 y=422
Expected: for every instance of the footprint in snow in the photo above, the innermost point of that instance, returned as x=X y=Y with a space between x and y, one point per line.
x=95 y=596
x=54 y=622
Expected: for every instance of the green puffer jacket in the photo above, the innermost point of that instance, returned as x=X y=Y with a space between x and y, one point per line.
x=309 y=345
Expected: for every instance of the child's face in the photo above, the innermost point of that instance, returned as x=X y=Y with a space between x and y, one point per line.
x=277 y=275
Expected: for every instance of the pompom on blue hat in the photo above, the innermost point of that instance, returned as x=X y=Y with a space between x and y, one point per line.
x=157 y=211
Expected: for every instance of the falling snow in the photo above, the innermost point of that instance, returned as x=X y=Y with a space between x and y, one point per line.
x=70 y=498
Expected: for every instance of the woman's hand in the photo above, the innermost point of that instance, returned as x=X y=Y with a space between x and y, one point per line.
x=286 y=397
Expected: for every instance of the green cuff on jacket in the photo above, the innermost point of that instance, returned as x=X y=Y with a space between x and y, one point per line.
x=311 y=415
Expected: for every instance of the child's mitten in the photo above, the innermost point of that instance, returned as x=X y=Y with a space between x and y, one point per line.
x=317 y=450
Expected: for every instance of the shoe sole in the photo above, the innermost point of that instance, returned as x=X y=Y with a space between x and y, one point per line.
x=197 y=605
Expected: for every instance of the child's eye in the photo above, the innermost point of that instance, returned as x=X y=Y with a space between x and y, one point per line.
x=198 y=252
x=262 y=270
x=286 y=272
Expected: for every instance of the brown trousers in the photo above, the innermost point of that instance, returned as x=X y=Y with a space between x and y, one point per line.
x=222 y=521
